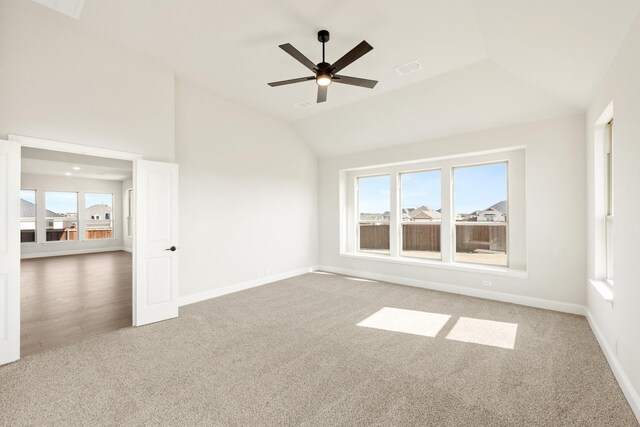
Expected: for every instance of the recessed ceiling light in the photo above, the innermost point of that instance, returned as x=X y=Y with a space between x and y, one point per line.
x=71 y=8
x=76 y=168
x=409 y=67
x=305 y=103
x=67 y=173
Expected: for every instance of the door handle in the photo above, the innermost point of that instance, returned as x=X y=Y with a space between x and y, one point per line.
x=172 y=249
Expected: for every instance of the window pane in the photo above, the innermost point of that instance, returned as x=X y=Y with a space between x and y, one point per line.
x=98 y=216
x=27 y=216
x=421 y=214
x=61 y=215
x=481 y=213
x=374 y=213
x=129 y=212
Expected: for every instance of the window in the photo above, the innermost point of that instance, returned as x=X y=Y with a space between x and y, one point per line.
x=374 y=214
x=464 y=212
x=61 y=215
x=481 y=213
x=129 y=212
x=609 y=199
x=97 y=214
x=27 y=216
x=420 y=206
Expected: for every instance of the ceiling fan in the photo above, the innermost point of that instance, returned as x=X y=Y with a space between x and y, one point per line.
x=326 y=73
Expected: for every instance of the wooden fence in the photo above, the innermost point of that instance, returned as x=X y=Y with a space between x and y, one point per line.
x=426 y=237
x=72 y=234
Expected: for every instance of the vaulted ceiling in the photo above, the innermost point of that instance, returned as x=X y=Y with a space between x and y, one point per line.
x=485 y=63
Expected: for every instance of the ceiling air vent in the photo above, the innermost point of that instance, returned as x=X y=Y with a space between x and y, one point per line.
x=71 y=8
x=409 y=67
x=305 y=103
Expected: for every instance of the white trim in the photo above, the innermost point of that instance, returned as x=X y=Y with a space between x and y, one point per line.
x=73 y=252
x=603 y=289
x=67 y=147
x=623 y=380
x=218 y=292
x=546 y=304
x=458 y=266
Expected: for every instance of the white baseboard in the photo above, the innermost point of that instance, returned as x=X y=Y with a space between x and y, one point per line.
x=130 y=250
x=213 y=293
x=623 y=380
x=564 y=307
x=72 y=252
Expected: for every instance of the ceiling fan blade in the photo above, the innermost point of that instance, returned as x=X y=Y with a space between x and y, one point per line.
x=290 y=81
x=298 y=56
x=354 y=81
x=322 y=93
x=351 y=56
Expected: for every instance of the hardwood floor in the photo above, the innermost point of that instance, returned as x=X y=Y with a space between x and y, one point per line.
x=68 y=298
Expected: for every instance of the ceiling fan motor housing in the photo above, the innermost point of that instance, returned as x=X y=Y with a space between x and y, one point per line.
x=323 y=36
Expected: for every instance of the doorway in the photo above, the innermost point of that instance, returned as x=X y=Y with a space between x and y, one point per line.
x=76 y=231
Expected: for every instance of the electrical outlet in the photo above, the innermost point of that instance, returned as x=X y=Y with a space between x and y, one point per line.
x=486 y=283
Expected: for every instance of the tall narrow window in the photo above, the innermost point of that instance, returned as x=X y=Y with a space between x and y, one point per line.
x=129 y=212
x=421 y=199
x=61 y=217
x=609 y=189
x=481 y=214
x=27 y=216
x=374 y=214
x=98 y=213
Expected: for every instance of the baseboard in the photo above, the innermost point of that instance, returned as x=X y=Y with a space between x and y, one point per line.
x=214 y=293
x=623 y=380
x=454 y=289
x=72 y=252
x=130 y=250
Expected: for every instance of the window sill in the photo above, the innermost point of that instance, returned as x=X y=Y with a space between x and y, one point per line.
x=604 y=289
x=456 y=266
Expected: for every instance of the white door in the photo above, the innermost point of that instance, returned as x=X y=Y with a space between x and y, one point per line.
x=9 y=251
x=155 y=241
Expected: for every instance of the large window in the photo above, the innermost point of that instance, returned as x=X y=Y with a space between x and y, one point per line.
x=481 y=213
x=420 y=206
x=374 y=214
x=462 y=212
x=61 y=215
x=609 y=200
x=98 y=216
x=28 y=216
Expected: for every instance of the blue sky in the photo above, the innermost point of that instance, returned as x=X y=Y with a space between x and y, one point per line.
x=67 y=202
x=476 y=187
x=28 y=195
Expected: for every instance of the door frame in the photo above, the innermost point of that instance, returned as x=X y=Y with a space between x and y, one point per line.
x=66 y=147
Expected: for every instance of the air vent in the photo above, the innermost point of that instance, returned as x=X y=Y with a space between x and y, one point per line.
x=71 y=8
x=304 y=104
x=409 y=67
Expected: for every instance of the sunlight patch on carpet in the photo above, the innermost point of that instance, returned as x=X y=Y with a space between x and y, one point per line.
x=407 y=321
x=485 y=332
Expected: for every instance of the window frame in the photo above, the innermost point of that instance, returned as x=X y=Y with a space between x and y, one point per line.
x=514 y=156
x=357 y=212
x=493 y=223
x=78 y=234
x=35 y=218
x=609 y=203
x=112 y=219
x=401 y=223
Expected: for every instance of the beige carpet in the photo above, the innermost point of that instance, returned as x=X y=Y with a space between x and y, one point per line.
x=291 y=353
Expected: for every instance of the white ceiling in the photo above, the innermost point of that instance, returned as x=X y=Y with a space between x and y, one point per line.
x=485 y=63
x=54 y=163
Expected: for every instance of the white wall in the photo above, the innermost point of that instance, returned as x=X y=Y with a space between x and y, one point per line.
x=248 y=193
x=58 y=84
x=554 y=180
x=619 y=322
x=42 y=183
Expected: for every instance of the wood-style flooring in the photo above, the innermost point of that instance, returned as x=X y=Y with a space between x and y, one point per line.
x=68 y=298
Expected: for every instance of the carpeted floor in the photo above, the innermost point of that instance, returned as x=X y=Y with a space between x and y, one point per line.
x=291 y=353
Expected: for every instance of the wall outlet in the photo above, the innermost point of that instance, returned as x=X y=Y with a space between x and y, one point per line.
x=486 y=283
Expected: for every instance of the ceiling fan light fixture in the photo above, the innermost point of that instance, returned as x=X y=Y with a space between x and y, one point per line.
x=323 y=79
